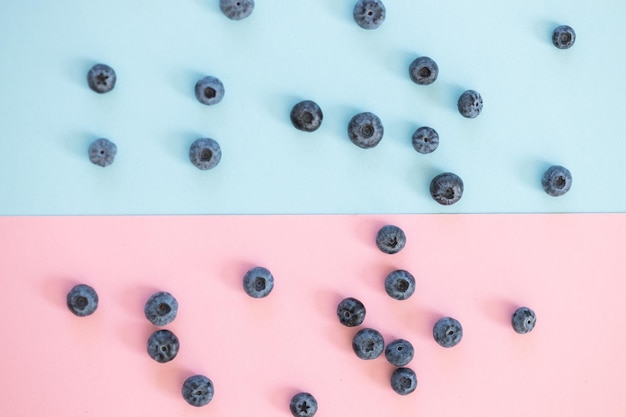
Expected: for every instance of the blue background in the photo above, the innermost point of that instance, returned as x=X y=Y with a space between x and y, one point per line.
x=543 y=106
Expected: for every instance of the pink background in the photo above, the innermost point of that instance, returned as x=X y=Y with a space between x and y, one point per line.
x=477 y=268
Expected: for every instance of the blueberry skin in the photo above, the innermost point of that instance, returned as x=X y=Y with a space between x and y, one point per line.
x=563 y=37
x=351 y=312
x=470 y=104
x=399 y=352
x=368 y=344
x=237 y=9
x=258 y=282
x=205 y=153
x=390 y=239
x=209 y=90
x=448 y=332
x=198 y=390
x=306 y=116
x=163 y=346
x=369 y=14
x=101 y=78
x=423 y=70
x=82 y=300
x=400 y=284
x=523 y=320
x=161 y=308
x=365 y=130
x=102 y=152
x=403 y=381
x=425 y=140
x=446 y=188
x=303 y=404
x=556 y=181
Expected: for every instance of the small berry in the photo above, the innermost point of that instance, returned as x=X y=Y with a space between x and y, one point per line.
x=205 y=153
x=163 y=346
x=448 y=332
x=350 y=312
x=369 y=14
x=209 y=90
x=368 y=344
x=399 y=352
x=198 y=390
x=306 y=116
x=470 y=104
x=400 y=284
x=563 y=37
x=161 y=308
x=446 y=188
x=556 y=181
x=303 y=404
x=423 y=70
x=425 y=140
x=365 y=130
x=82 y=300
x=523 y=320
x=258 y=282
x=101 y=78
x=390 y=239
x=102 y=152
x=404 y=381
x=237 y=9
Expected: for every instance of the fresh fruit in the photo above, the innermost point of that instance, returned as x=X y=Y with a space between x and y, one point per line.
x=399 y=352
x=161 y=308
x=209 y=90
x=523 y=320
x=446 y=188
x=448 y=332
x=369 y=14
x=163 y=346
x=101 y=78
x=563 y=37
x=556 y=181
x=425 y=140
x=82 y=300
x=423 y=70
x=400 y=284
x=470 y=104
x=303 y=404
x=205 y=153
x=306 y=116
x=237 y=9
x=350 y=312
x=102 y=152
x=198 y=390
x=258 y=282
x=368 y=344
x=390 y=239
x=365 y=130
x=403 y=381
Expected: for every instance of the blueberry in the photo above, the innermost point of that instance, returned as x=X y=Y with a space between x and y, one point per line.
x=205 y=153
x=368 y=344
x=209 y=90
x=556 y=181
x=306 y=116
x=369 y=14
x=101 y=78
x=399 y=352
x=403 y=381
x=163 y=346
x=365 y=130
x=400 y=284
x=563 y=37
x=448 y=332
x=350 y=312
x=423 y=70
x=161 y=308
x=102 y=152
x=425 y=139
x=303 y=404
x=446 y=188
x=198 y=390
x=470 y=104
x=258 y=282
x=390 y=239
x=523 y=320
x=237 y=9
x=82 y=300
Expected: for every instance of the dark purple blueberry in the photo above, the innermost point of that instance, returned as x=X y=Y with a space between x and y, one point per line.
x=101 y=78
x=205 y=153
x=368 y=344
x=556 y=181
x=523 y=320
x=425 y=140
x=82 y=300
x=209 y=90
x=390 y=239
x=350 y=312
x=102 y=152
x=303 y=404
x=563 y=37
x=446 y=188
x=423 y=70
x=365 y=130
x=161 y=308
x=448 y=332
x=163 y=346
x=237 y=9
x=198 y=390
x=258 y=282
x=400 y=284
x=399 y=352
x=403 y=381
x=470 y=104
x=306 y=116
x=369 y=14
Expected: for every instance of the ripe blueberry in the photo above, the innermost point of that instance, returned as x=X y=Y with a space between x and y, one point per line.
x=198 y=390
x=163 y=346
x=399 y=352
x=101 y=78
x=368 y=344
x=82 y=300
x=523 y=320
x=425 y=139
x=448 y=332
x=161 y=308
x=237 y=9
x=258 y=282
x=303 y=404
x=400 y=284
x=423 y=70
x=102 y=152
x=205 y=153
x=446 y=188
x=563 y=37
x=209 y=90
x=306 y=116
x=470 y=104
x=556 y=181
x=390 y=239
x=403 y=381
x=365 y=130
x=369 y=14
x=350 y=312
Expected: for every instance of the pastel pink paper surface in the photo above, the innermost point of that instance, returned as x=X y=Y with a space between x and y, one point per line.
x=477 y=268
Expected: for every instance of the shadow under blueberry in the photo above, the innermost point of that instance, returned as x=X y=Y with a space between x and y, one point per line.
x=531 y=172
x=77 y=144
x=133 y=300
x=232 y=274
x=281 y=397
x=543 y=29
x=500 y=311
x=78 y=68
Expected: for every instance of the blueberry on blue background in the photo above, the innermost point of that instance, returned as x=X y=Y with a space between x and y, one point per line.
x=258 y=282
x=82 y=300
x=563 y=37
x=470 y=104
x=448 y=332
x=163 y=346
x=425 y=140
x=446 y=188
x=556 y=181
x=205 y=153
x=198 y=390
x=369 y=14
x=390 y=239
x=523 y=320
x=101 y=78
x=303 y=404
x=161 y=308
x=399 y=352
x=306 y=116
x=102 y=152
x=368 y=344
x=400 y=284
x=365 y=130
x=237 y=9
x=423 y=70
x=209 y=90
x=351 y=312
x=403 y=381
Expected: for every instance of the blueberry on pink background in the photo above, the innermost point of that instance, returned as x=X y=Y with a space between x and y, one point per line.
x=448 y=332
x=400 y=284
x=403 y=381
x=351 y=312
x=368 y=344
x=82 y=300
x=258 y=282
x=161 y=308
x=523 y=320
x=303 y=404
x=390 y=239
x=198 y=390
x=556 y=181
x=163 y=346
